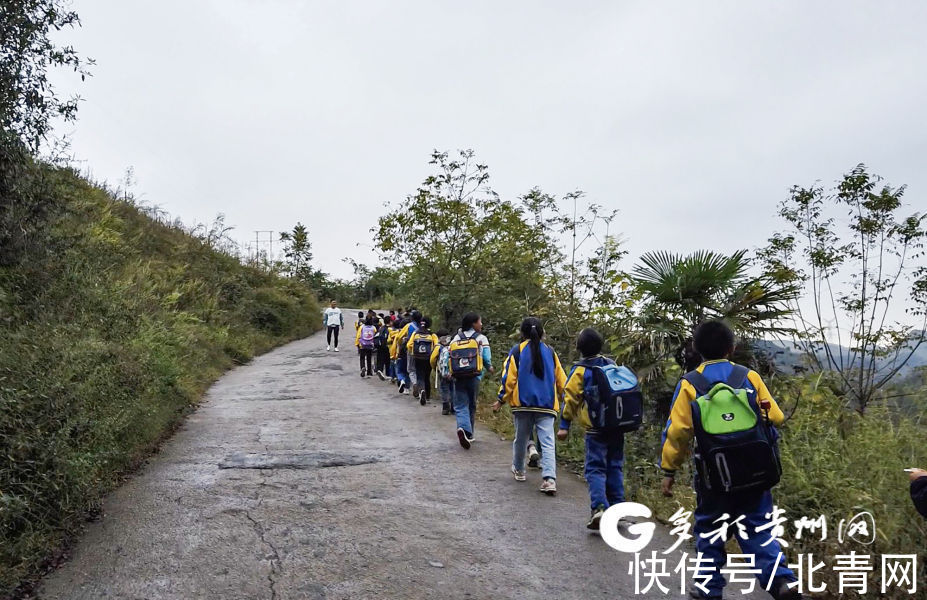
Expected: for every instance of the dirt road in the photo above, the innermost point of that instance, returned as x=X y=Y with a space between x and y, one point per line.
x=297 y=479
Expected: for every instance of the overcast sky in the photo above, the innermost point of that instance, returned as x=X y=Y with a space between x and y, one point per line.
x=691 y=118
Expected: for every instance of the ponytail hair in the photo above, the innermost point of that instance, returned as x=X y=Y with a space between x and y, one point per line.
x=533 y=330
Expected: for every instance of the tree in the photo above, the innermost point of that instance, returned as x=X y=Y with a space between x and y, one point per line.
x=28 y=103
x=857 y=255
x=28 y=108
x=680 y=292
x=460 y=247
x=298 y=252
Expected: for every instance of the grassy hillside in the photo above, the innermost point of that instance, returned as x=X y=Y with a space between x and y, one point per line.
x=110 y=330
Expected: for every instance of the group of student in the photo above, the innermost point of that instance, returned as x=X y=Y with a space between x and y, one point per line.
x=724 y=407
x=406 y=352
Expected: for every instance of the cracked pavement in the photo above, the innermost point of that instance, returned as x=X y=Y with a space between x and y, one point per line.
x=297 y=479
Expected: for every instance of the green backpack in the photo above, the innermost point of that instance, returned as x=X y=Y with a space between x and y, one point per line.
x=736 y=448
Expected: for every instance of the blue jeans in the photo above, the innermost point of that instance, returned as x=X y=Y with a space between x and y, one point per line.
x=603 y=472
x=402 y=371
x=754 y=507
x=525 y=423
x=465 y=392
x=447 y=393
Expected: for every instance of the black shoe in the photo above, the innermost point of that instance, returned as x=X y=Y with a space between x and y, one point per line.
x=381 y=375
x=596 y=517
x=781 y=591
x=363 y=373
x=698 y=595
x=421 y=397
x=534 y=457
x=445 y=410
x=463 y=438
x=402 y=387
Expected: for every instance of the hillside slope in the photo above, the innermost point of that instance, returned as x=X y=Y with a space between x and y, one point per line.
x=110 y=329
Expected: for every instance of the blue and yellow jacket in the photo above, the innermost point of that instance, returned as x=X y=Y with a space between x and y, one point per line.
x=574 y=404
x=678 y=433
x=399 y=348
x=523 y=390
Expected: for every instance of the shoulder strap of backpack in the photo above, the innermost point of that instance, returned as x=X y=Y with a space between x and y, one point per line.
x=699 y=382
x=738 y=376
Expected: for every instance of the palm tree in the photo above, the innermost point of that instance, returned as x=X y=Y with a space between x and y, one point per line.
x=682 y=291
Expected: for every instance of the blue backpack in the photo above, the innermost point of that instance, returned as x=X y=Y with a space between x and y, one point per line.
x=613 y=397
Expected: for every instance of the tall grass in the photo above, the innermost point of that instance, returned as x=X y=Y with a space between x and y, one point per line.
x=110 y=333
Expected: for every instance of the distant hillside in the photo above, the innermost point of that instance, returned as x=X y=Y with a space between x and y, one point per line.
x=111 y=326
x=788 y=358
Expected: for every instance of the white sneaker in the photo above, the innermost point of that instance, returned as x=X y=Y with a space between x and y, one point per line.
x=549 y=487
x=336 y=348
x=519 y=475
x=328 y=348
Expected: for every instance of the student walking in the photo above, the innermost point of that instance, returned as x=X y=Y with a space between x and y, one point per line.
x=420 y=347
x=604 y=447
x=402 y=353
x=469 y=358
x=365 y=341
x=333 y=320
x=444 y=383
x=394 y=330
x=532 y=384
x=728 y=409
x=381 y=344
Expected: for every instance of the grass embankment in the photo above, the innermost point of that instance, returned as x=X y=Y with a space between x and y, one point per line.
x=108 y=339
x=836 y=463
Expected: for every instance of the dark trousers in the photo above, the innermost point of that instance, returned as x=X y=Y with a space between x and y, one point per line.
x=333 y=329
x=382 y=359
x=423 y=375
x=366 y=356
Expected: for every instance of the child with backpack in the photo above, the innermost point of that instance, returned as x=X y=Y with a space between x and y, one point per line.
x=381 y=352
x=395 y=328
x=402 y=352
x=728 y=410
x=365 y=342
x=594 y=390
x=469 y=356
x=420 y=346
x=532 y=384
x=444 y=383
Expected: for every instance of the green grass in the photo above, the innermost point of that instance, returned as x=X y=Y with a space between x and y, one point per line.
x=110 y=334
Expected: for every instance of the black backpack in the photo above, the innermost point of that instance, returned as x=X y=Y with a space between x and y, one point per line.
x=736 y=448
x=382 y=337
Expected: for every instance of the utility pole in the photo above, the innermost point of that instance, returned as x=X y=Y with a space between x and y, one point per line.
x=268 y=243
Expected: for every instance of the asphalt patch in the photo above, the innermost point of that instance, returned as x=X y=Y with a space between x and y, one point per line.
x=315 y=460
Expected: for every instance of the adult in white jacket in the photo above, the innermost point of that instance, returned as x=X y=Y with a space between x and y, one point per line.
x=334 y=321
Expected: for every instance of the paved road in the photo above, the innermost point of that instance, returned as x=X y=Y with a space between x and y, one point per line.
x=297 y=479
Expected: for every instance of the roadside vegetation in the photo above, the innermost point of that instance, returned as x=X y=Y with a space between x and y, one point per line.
x=112 y=321
x=848 y=261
